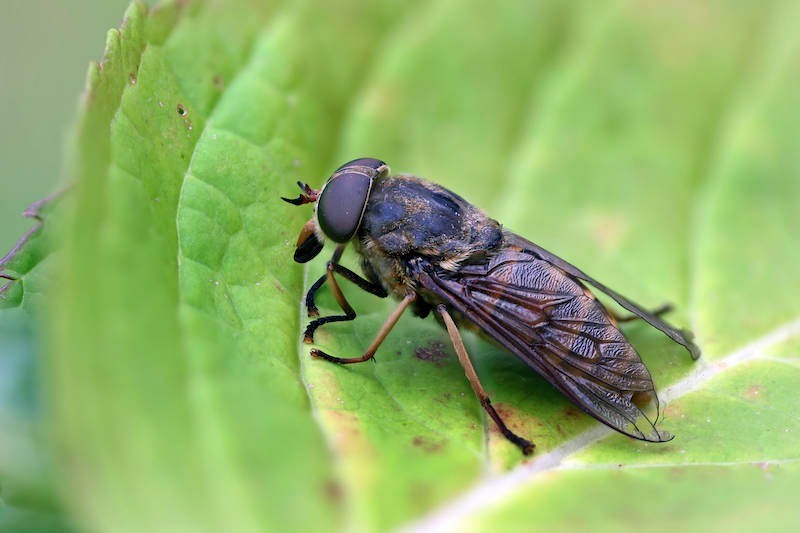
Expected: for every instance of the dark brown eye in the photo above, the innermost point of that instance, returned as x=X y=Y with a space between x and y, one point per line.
x=341 y=204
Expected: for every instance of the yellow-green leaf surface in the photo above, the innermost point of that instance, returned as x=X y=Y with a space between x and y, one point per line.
x=653 y=144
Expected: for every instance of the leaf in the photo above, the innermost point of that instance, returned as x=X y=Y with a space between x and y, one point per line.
x=27 y=496
x=652 y=145
x=26 y=470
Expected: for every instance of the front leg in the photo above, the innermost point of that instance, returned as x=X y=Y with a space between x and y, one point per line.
x=369 y=353
x=372 y=288
x=311 y=305
x=349 y=313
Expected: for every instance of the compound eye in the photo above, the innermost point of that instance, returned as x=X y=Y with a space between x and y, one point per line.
x=341 y=205
x=374 y=164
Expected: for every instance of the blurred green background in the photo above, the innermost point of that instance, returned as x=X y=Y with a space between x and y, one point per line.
x=45 y=48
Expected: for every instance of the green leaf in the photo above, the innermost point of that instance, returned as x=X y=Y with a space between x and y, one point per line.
x=26 y=469
x=27 y=495
x=653 y=145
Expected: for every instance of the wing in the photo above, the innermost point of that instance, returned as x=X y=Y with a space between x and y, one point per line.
x=681 y=336
x=551 y=321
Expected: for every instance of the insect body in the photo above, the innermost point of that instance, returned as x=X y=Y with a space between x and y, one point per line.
x=435 y=252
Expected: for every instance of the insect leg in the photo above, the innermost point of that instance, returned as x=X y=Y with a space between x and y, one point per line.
x=349 y=312
x=372 y=288
x=382 y=333
x=463 y=357
x=333 y=265
x=658 y=311
x=311 y=305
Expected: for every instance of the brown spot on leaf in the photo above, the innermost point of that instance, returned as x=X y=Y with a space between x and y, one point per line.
x=444 y=398
x=753 y=392
x=181 y=109
x=334 y=491
x=433 y=352
x=219 y=84
x=132 y=78
x=427 y=445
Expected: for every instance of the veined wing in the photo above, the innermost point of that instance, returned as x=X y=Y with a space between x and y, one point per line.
x=682 y=337
x=551 y=321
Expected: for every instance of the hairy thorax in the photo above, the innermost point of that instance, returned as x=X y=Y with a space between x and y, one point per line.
x=409 y=217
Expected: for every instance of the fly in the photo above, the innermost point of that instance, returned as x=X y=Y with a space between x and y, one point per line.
x=435 y=252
